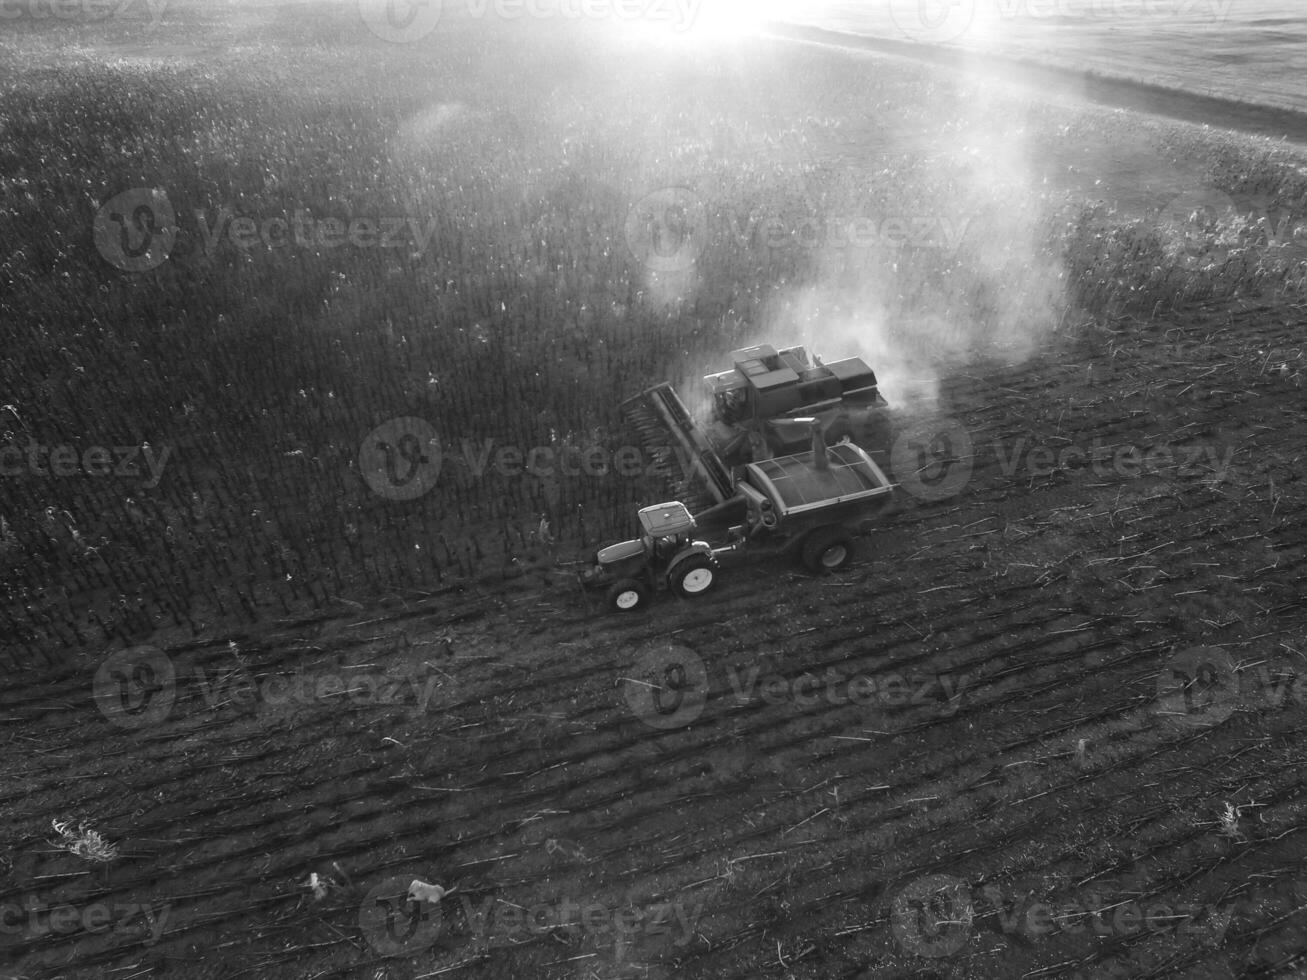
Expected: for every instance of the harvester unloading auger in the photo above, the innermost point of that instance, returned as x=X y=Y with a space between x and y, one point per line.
x=760 y=409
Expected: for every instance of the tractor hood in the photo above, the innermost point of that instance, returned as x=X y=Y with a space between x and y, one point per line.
x=619 y=552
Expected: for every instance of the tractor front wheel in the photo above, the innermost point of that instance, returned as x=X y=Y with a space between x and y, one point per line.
x=628 y=595
x=693 y=577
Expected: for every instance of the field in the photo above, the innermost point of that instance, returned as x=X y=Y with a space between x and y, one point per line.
x=1243 y=50
x=285 y=670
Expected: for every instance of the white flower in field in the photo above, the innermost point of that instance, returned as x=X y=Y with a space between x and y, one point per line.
x=421 y=891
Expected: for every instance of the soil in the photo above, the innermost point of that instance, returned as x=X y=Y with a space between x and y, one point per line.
x=986 y=740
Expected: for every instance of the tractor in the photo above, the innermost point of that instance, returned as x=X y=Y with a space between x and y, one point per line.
x=810 y=505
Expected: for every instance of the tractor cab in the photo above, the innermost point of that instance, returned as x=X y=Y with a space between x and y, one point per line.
x=668 y=528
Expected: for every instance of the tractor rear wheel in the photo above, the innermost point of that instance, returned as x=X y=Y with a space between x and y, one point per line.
x=693 y=577
x=827 y=549
x=628 y=595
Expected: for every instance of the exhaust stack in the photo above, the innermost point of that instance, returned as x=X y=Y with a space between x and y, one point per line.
x=820 y=454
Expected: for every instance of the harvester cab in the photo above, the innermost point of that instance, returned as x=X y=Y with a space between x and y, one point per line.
x=756 y=406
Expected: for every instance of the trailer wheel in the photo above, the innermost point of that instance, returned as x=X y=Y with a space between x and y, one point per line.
x=628 y=595
x=693 y=577
x=827 y=549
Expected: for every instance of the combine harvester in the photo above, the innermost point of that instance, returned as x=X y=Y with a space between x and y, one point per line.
x=809 y=505
x=760 y=409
